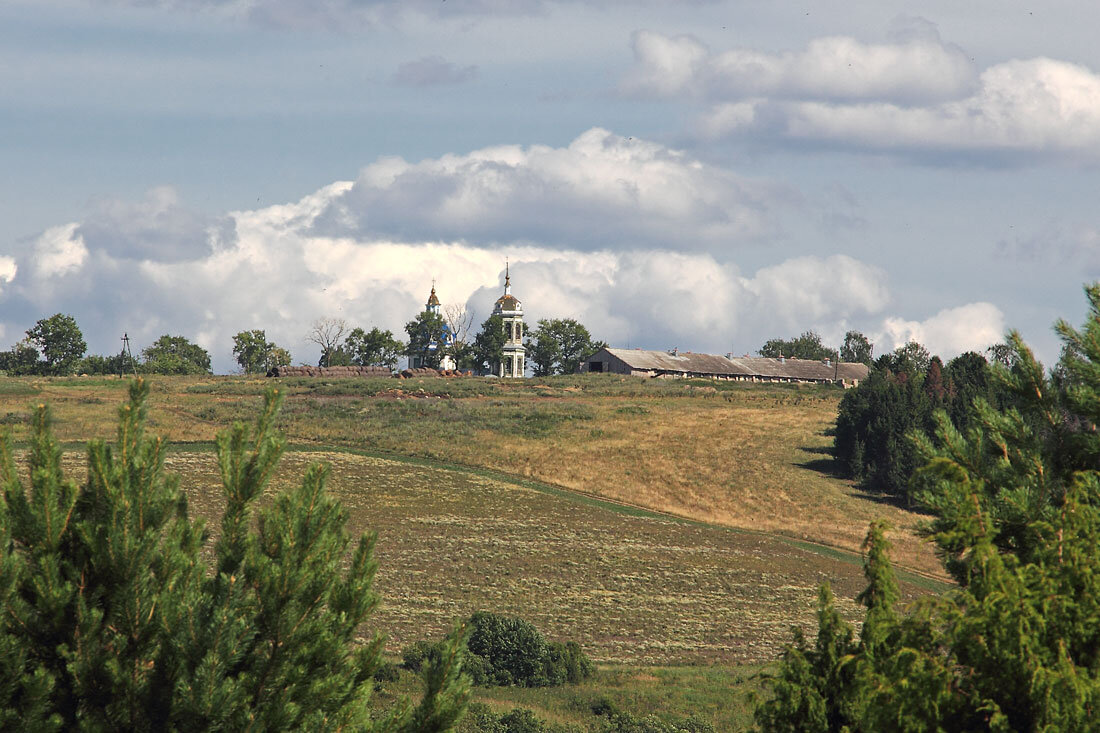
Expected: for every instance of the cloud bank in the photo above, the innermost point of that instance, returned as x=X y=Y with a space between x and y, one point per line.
x=367 y=251
x=602 y=190
x=340 y=14
x=912 y=95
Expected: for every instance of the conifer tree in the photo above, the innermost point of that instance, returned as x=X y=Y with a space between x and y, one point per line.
x=1017 y=646
x=111 y=620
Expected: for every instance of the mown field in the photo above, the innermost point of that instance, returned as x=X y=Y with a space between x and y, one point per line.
x=749 y=456
x=722 y=522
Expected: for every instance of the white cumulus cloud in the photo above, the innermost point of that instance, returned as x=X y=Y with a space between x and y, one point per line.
x=633 y=239
x=913 y=94
x=919 y=68
x=602 y=190
x=1036 y=105
x=59 y=251
x=952 y=331
x=8 y=269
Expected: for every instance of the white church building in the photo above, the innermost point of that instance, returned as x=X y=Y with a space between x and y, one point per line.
x=514 y=362
x=510 y=311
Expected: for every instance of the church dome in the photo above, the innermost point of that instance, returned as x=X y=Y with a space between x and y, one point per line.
x=508 y=302
x=432 y=299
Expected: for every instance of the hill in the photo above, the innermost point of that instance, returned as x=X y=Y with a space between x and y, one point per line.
x=752 y=456
x=658 y=523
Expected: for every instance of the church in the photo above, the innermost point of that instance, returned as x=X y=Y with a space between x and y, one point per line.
x=417 y=361
x=508 y=307
x=510 y=311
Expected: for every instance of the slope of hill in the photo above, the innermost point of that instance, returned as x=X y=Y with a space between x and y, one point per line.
x=751 y=456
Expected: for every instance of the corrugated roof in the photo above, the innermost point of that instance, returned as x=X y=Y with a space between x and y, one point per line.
x=759 y=366
x=684 y=362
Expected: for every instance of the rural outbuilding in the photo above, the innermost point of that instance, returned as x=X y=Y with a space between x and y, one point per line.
x=642 y=363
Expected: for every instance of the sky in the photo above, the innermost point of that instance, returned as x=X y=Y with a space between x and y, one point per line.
x=705 y=175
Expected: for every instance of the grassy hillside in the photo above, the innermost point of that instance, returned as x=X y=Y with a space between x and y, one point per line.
x=636 y=588
x=749 y=456
x=661 y=524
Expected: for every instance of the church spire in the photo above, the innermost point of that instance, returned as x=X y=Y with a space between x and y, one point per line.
x=507 y=279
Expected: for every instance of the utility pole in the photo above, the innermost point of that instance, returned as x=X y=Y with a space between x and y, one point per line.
x=126 y=354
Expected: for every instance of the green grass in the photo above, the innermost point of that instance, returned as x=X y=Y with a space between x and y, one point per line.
x=720 y=695
x=17 y=387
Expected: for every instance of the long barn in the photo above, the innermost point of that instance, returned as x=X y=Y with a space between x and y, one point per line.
x=641 y=363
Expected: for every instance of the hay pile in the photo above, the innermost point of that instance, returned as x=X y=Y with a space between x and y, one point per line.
x=336 y=371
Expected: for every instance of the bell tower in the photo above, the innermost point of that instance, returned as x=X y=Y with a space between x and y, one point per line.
x=510 y=311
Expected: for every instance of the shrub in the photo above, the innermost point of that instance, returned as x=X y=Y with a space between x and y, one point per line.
x=414 y=656
x=627 y=723
x=514 y=652
x=568 y=663
x=505 y=650
x=386 y=672
x=482 y=719
x=522 y=720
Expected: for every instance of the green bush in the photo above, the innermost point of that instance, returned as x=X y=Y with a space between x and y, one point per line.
x=416 y=654
x=627 y=723
x=522 y=720
x=568 y=663
x=386 y=672
x=516 y=653
x=506 y=651
x=480 y=718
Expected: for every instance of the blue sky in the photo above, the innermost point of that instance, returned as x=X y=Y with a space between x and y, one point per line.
x=706 y=175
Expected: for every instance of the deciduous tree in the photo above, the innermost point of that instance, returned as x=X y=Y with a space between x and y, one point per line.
x=489 y=344
x=806 y=346
x=373 y=348
x=559 y=345
x=460 y=322
x=60 y=342
x=856 y=348
x=328 y=333
x=174 y=355
x=426 y=338
x=255 y=354
x=20 y=359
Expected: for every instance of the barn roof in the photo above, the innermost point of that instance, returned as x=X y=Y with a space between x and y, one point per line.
x=760 y=366
x=685 y=362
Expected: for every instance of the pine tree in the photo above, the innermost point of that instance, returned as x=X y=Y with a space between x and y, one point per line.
x=1017 y=645
x=112 y=621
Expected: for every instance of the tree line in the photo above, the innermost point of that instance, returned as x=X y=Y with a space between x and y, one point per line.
x=902 y=394
x=856 y=348
x=55 y=346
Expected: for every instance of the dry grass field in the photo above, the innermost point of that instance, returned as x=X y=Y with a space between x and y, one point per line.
x=748 y=456
x=634 y=589
x=677 y=530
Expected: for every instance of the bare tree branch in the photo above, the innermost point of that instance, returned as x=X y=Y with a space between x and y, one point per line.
x=459 y=320
x=327 y=333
